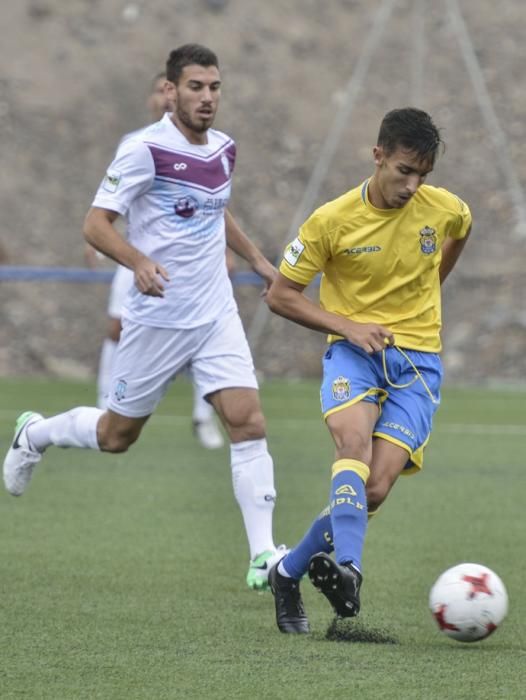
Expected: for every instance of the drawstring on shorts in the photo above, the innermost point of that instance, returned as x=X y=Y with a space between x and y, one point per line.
x=418 y=375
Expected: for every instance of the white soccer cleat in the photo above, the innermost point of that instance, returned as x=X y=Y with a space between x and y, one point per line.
x=259 y=567
x=208 y=434
x=21 y=458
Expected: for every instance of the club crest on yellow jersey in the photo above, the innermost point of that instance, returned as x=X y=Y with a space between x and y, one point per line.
x=428 y=240
x=341 y=389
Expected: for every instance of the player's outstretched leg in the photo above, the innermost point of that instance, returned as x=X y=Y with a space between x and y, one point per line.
x=260 y=566
x=290 y=612
x=22 y=458
x=34 y=434
x=339 y=583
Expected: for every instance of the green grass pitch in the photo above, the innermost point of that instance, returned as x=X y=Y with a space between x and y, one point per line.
x=122 y=577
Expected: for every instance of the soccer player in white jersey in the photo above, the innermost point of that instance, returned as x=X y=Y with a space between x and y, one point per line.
x=203 y=420
x=172 y=183
x=384 y=248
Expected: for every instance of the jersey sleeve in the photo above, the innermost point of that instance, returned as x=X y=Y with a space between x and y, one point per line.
x=308 y=253
x=231 y=154
x=130 y=174
x=462 y=222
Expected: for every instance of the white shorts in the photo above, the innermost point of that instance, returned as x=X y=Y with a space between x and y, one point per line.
x=148 y=359
x=120 y=285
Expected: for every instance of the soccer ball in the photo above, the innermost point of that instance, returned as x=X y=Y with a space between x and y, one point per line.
x=468 y=602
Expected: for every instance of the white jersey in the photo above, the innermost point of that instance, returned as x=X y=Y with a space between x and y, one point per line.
x=174 y=194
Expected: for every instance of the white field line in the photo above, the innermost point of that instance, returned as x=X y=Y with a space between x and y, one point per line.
x=490 y=429
x=451 y=428
x=480 y=429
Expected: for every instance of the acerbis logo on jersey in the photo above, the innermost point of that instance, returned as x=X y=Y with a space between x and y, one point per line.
x=428 y=240
x=294 y=251
x=111 y=180
x=363 y=249
x=180 y=166
x=401 y=428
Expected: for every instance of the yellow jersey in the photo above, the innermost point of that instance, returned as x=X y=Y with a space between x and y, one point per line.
x=380 y=265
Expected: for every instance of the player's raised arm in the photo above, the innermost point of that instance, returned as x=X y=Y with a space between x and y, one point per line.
x=286 y=298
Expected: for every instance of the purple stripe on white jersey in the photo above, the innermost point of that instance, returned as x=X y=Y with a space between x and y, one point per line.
x=180 y=149
x=208 y=175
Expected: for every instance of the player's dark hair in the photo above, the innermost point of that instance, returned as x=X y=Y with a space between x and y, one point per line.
x=188 y=55
x=411 y=129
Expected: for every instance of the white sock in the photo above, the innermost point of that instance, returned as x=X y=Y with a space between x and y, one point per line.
x=253 y=481
x=104 y=376
x=75 y=428
x=203 y=411
x=282 y=570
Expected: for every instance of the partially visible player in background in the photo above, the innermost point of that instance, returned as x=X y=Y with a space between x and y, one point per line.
x=204 y=423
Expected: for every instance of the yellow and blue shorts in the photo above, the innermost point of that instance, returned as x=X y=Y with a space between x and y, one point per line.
x=404 y=383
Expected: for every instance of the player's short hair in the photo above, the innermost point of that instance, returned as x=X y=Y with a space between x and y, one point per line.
x=411 y=129
x=188 y=55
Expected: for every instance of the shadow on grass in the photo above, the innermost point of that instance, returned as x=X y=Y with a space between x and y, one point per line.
x=341 y=630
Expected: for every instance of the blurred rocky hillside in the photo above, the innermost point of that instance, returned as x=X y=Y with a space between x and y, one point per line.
x=74 y=77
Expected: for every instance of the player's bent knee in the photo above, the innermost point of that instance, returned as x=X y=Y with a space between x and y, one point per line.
x=115 y=443
x=247 y=427
x=117 y=439
x=376 y=495
x=350 y=444
x=256 y=425
x=355 y=449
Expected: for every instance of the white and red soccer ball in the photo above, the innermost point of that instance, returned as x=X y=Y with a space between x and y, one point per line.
x=468 y=602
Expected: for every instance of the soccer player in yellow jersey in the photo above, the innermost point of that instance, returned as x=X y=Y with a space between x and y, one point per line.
x=383 y=249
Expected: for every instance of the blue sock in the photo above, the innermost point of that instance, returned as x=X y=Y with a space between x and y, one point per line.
x=317 y=539
x=349 y=509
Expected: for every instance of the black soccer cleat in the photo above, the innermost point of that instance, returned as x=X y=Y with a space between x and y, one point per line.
x=339 y=583
x=290 y=613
